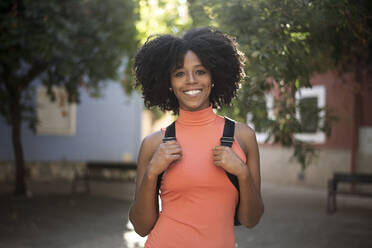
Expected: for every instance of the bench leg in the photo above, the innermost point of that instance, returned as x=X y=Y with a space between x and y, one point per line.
x=331 y=200
x=73 y=185
x=86 y=181
x=74 y=182
x=82 y=179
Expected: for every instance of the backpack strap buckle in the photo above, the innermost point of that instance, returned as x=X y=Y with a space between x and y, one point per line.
x=227 y=141
x=166 y=139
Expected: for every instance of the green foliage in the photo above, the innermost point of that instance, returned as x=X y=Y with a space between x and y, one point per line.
x=285 y=42
x=161 y=17
x=70 y=43
x=304 y=153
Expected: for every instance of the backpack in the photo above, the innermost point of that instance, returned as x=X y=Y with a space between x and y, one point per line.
x=227 y=139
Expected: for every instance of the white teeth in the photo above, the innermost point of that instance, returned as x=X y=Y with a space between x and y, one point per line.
x=192 y=92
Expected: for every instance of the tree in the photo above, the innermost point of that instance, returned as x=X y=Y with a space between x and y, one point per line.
x=285 y=42
x=58 y=43
x=160 y=17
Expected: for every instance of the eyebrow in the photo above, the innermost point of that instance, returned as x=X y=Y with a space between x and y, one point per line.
x=179 y=67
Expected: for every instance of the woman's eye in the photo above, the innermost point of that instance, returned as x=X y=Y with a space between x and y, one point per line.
x=179 y=74
x=200 y=72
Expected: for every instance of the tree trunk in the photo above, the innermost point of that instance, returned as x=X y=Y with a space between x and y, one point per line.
x=356 y=124
x=357 y=116
x=20 y=184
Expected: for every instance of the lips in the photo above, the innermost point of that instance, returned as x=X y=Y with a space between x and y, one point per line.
x=192 y=92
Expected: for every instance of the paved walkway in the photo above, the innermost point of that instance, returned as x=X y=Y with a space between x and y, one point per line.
x=294 y=217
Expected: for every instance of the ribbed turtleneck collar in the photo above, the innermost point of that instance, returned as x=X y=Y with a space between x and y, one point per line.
x=197 y=118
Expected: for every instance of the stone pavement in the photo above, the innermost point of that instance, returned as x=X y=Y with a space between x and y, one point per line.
x=294 y=217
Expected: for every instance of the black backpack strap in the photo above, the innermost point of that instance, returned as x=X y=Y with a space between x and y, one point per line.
x=170 y=134
x=227 y=139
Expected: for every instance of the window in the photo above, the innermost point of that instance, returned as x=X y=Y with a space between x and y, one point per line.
x=309 y=118
x=309 y=101
x=55 y=117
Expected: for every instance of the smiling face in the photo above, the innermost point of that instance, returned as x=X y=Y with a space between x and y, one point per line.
x=192 y=84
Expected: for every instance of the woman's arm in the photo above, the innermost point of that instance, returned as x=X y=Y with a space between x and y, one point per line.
x=154 y=157
x=144 y=211
x=251 y=206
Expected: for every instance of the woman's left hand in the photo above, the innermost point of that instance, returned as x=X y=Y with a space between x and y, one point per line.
x=225 y=157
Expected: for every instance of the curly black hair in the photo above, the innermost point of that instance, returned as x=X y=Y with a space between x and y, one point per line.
x=161 y=54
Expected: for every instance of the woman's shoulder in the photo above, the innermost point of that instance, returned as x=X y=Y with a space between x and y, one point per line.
x=153 y=140
x=241 y=129
x=245 y=136
x=244 y=130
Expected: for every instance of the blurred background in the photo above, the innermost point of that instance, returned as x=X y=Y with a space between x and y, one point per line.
x=71 y=120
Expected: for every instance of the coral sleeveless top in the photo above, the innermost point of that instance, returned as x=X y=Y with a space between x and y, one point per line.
x=197 y=199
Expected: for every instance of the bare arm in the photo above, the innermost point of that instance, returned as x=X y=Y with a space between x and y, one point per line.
x=251 y=206
x=154 y=157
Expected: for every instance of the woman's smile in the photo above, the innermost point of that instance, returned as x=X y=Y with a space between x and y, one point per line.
x=192 y=92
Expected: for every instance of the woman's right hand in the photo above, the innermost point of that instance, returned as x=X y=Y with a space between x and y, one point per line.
x=165 y=154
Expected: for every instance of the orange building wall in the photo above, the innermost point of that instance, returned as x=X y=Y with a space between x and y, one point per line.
x=367 y=110
x=339 y=100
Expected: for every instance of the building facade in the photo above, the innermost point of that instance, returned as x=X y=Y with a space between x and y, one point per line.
x=107 y=128
x=334 y=92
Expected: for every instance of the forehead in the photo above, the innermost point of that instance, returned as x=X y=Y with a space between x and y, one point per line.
x=189 y=58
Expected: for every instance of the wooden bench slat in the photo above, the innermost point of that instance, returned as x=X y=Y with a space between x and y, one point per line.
x=94 y=172
x=111 y=165
x=357 y=177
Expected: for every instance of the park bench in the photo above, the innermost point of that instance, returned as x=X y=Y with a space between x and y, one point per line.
x=94 y=170
x=352 y=178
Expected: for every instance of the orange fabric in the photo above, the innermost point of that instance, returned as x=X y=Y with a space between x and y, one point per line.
x=198 y=200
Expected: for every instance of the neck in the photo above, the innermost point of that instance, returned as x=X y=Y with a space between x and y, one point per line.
x=196 y=118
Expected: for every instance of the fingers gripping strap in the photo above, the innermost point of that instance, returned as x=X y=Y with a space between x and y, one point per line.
x=170 y=134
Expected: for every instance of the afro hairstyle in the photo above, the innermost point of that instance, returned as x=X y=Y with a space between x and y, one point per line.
x=161 y=54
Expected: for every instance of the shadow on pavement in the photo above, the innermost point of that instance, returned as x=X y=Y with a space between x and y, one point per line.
x=294 y=217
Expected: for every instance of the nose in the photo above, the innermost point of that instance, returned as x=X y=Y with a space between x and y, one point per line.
x=191 y=78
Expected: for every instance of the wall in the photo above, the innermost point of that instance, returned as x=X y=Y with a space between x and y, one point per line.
x=339 y=100
x=278 y=167
x=335 y=153
x=107 y=128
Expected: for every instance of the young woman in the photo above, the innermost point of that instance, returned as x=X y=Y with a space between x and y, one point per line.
x=190 y=76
